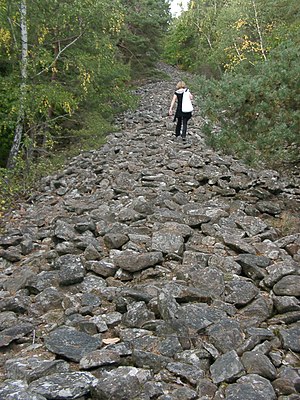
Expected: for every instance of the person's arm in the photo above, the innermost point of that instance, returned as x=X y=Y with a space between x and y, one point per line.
x=172 y=104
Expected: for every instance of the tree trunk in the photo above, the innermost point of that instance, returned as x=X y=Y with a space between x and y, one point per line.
x=23 y=66
x=259 y=31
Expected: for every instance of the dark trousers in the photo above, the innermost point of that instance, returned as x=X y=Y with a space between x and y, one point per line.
x=181 y=121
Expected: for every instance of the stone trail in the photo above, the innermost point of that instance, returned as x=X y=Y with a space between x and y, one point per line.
x=151 y=269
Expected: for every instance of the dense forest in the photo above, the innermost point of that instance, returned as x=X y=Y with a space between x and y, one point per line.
x=246 y=56
x=67 y=68
x=61 y=62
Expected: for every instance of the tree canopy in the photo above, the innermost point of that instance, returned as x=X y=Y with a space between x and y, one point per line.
x=62 y=60
x=250 y=50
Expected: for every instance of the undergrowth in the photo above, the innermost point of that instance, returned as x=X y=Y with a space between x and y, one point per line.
x=18 y=185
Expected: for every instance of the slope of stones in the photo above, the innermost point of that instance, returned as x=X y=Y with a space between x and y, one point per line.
x=150 y=269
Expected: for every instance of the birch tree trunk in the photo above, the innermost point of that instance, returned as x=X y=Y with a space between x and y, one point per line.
x=259 y=31
x=23 y=69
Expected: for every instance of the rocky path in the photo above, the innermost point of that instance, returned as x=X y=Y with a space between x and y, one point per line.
x=152 y=269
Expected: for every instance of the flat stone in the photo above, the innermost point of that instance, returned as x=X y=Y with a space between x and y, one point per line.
x=288 y=286
x=71 y=343
x=227 y=368
x=132 y=261
x=70 y=385
x=250 y=387
x=291 y=338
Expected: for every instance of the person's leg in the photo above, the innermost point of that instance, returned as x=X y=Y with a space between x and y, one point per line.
x=184 y=127
x=178 y=126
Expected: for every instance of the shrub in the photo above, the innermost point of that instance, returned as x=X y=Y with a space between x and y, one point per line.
x=257 y=113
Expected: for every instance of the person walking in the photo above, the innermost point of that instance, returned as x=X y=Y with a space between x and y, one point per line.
x=181 y=116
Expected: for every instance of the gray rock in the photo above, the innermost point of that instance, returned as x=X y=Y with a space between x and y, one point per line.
x=8 y=319
x=121 y=383
x=50 y=298
x=33 y=368
x=90 y=299
x=69 y=385
x=183 y=393
x=254 y=266
x=71 y=270
x=225 y=335
x=71 y=343
x=115 y=240
x=258 y=363
x=10 y=240
x=256 y=312
x=104 y=268
x=91 y=253
x=240 y=291
x=99 y=358
x=283 y=387
x=254 y=337
x=112 y=319
x=225 y=264
x=93 y=284
x=172 y=345
x=291 y=338
x=227 y=368
x=18 y=304
x=187 y=372
x=147 y=359
x=200 y=316
x=64 y=230
x=239 y=245
x=20 y=279
x=132 y=261
x=268 y=207
x=210 y=281
x=137 y=314
x=13 y=254
x=251 y=387
x=288 y=286
x=286 y=318
x=8 y=335
x=251 y=225
x=278 y=270
x=286 y=303
x=168 y=242
x=43 y=280
x=18 y=390
x=206 y=389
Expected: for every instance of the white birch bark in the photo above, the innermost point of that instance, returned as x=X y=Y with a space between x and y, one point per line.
x=23 y=69
x=259 y=31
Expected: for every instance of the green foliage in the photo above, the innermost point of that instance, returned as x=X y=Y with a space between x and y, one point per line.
x=179 y=45
x=8 y=102
x=250 y=50
x=19 y=183
x=214 y=36
x=145 y=23
x=192 y=39
x=258 y=114
x=82 y=54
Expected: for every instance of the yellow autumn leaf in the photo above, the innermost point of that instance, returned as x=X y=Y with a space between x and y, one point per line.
x=111 y=340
